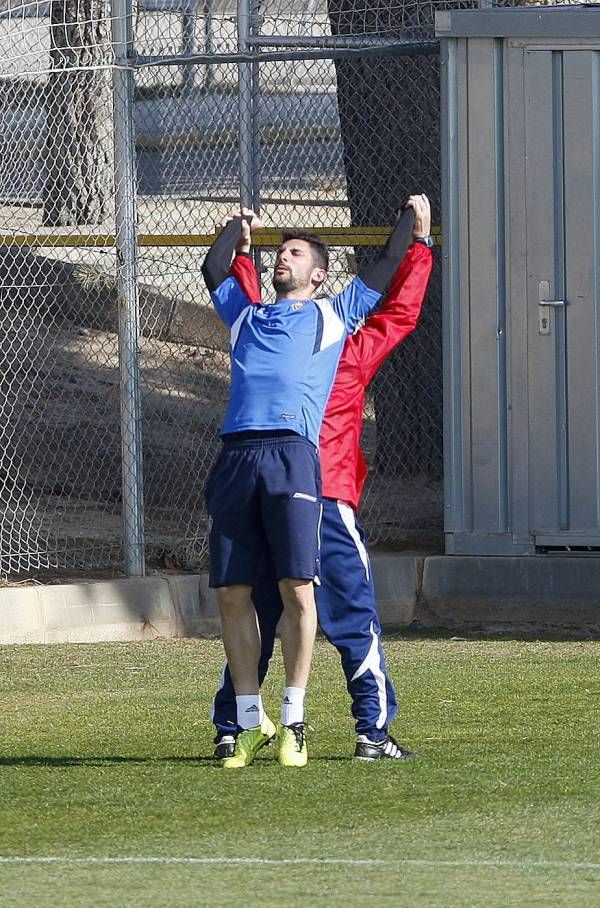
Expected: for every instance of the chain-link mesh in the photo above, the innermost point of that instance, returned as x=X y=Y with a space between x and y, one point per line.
x=59 y=405
x=324 y=121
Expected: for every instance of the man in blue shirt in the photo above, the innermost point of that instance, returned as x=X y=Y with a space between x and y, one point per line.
x=263 y=494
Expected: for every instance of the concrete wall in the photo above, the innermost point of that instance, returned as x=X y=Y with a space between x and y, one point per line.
x=502 y=593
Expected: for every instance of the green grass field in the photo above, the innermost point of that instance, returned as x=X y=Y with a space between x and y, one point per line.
x=105 y=767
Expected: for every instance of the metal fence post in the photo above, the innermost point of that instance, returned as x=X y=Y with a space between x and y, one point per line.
x=188 y=45
x=249 y=100
x=255 y=103
x=256 y=155
x=209 y=42
x=129 y=331
x=246 y=106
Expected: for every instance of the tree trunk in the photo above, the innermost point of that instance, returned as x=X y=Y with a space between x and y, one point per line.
x=389 y=115
x=79 y=147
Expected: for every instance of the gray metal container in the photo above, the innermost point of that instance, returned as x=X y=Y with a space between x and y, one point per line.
x=521 y=226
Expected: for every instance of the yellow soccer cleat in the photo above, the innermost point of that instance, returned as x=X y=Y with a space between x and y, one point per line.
x=292 y=744
x=248 y=743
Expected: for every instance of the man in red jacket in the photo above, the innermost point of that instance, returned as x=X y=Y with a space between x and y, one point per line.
x=345 y=597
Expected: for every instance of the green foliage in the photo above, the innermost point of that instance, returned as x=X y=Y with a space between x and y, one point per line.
x=105 y=751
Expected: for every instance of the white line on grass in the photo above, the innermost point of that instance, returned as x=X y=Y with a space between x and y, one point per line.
x=354 y=862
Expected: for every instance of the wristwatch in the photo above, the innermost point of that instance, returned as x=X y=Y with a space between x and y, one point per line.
x=425 y=240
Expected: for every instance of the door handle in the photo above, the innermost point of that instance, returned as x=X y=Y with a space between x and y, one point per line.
x=545 y=305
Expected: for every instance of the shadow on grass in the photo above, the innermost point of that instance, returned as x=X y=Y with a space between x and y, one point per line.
x=41 y=760
x=565 y=634
x=46 y=761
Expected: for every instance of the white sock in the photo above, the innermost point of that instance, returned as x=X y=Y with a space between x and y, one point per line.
x=292 y=708
x=250 y=710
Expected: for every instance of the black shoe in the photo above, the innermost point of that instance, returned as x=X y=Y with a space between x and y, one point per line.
x=225 y=747
x=388 y=749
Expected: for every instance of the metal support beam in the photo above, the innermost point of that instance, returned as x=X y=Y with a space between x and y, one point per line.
x=245 y=101
x=339 y=52
x=188 y=45
x=129 y=330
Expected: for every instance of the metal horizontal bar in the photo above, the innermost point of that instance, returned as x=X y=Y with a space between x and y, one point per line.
x=42 y=10
x=183 y=7
x=142 y=61
x=339 y=41
x=333 y=236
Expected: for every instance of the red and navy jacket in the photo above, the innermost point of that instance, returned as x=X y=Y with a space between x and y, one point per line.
x=343 y=466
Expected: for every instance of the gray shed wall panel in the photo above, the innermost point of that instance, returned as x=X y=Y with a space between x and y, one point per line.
x=582 y=361
x=516 y=298
x=543 y=156
x=482 y=292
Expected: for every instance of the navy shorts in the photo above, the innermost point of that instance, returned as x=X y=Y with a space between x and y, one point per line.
x=264 y=499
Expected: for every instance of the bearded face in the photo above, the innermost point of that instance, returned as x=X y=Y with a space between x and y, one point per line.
x=295 y=268
x=286 y=279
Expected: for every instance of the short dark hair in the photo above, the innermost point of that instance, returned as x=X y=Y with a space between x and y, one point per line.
x=318 y=246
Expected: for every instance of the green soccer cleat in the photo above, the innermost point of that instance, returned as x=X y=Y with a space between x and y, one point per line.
x=248 y=743
x=292 y=744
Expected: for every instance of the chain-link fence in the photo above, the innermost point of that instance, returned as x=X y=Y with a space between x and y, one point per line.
x=126 y=135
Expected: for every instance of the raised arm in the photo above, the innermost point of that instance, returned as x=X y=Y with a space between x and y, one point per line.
x=379 y=273
x=215 y=268
x=397 y=316
x=226 y=293
x=362 y=294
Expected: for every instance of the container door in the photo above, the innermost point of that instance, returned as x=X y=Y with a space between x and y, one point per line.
x=562 y=211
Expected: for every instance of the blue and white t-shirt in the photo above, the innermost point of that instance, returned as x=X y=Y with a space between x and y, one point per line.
x=284 y=355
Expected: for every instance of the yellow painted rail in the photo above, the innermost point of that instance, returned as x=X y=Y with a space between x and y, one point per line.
x=333 y=236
